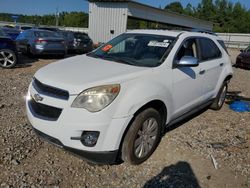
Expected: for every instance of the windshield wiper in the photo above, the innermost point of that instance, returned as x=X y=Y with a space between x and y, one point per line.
x=119 y=60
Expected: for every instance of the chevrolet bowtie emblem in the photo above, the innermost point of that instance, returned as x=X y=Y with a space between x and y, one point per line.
x=37 y=97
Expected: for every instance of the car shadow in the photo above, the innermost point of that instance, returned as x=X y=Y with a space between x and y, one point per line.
x=185 y=120
x=235 y=96
x=177 y=175
x=236 y=66
x=25 y=61
x=188 y=71
x=230 y=97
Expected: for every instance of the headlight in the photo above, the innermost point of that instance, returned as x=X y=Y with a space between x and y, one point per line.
x=96 y=98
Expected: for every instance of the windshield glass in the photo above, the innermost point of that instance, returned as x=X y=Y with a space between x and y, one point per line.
x=42 y=34
x=136 y=49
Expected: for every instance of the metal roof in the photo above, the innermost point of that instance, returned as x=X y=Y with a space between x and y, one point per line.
x=171 y=13
x=156 y=32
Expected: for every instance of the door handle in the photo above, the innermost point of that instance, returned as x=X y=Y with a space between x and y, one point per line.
x=202 y=71
x=221 y=64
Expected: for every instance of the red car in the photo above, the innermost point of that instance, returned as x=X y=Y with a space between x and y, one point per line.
x=243 y=59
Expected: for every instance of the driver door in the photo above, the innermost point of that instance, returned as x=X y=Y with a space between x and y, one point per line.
x=187 y=81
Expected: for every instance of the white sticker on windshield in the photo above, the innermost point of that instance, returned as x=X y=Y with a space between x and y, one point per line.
x=163 y=44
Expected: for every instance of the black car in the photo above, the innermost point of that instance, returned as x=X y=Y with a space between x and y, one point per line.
x=243 y=59
x=69 y=39
x=82 y=43
x=8 y=51
x=54 y=29
x=11 y=32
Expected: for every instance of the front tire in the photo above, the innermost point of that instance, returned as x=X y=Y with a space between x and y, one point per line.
x=8 y=58
x=142 y=137
x=220 y=98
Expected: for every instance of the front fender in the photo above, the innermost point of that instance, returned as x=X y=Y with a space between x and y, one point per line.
x=137 y=93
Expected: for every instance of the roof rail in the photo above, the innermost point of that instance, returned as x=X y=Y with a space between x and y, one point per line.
x=203 y=31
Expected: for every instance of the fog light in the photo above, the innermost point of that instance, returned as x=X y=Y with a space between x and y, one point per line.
x=89 y=138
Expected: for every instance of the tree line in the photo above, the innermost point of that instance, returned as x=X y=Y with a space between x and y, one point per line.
x=226 y=16
x=67 y=19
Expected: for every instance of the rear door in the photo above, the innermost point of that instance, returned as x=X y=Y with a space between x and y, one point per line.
x=211 y=64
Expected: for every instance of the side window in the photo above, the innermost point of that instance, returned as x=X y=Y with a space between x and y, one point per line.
x=209 y=49
x=223 y=45
x=188 y=48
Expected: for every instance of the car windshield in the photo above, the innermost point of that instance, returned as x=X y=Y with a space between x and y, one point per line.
x=42 y=34
x=146 y=50
x=26 y=28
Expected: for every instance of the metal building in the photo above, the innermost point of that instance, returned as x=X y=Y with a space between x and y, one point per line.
x=108 y=18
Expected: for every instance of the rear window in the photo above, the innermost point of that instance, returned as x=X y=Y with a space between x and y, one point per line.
x=81 y=36
x=68 y=35
x=221 y=42
x=209 y=50
x=42 y=34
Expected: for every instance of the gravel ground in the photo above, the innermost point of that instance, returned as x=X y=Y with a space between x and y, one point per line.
x=183 y=158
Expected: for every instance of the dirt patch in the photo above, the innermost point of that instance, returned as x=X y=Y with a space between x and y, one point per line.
x=183 y=158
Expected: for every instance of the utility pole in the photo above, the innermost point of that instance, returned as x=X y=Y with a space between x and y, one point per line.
x=57 y=17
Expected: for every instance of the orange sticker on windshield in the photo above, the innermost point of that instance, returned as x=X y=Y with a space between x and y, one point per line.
x=107 y=48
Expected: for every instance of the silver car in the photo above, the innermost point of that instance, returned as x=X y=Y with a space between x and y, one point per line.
x=37 y=41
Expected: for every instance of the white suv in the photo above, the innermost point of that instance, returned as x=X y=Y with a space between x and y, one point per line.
x=114 y=103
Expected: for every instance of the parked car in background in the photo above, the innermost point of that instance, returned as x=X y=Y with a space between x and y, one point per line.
x=8 y=51
x=23 y=28
x=69 y=39
x=82 y=43
x=12 y=32
x=243 y=59
x=50 y=29
x=37 y=41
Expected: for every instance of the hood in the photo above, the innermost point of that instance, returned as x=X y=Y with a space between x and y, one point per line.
x=81 y=72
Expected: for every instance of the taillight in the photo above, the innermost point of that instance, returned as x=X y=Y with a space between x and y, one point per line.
x=41 y=41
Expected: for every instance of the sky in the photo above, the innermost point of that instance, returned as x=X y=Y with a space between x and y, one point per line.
x=41 y=7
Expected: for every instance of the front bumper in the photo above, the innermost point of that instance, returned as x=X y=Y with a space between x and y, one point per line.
x=93 y=157
x=71 y=122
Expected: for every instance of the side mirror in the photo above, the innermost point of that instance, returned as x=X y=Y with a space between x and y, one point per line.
x=188 y=61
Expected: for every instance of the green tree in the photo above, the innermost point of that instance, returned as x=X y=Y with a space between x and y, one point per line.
x=175 y=7
x=189 y=10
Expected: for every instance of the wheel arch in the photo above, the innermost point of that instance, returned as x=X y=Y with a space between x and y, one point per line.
x=228 y=78
x=155 y=104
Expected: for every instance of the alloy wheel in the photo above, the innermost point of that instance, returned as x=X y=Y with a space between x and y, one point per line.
x=146 y=138
x=7 y=58
x=222 y=96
